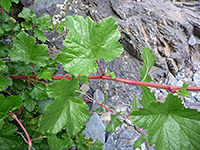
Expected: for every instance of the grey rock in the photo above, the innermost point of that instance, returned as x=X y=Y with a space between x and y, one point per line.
x=123 y=144
x=98 y=97
x=172 y=80
x=95 y=128
x=126 y=134
x=196 y=78
x=192 y=41
x=109 y=145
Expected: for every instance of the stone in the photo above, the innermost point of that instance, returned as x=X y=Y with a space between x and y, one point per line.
x=172 y=80
x=196 y=78
x=95 y=128
x=109 y=145
x=126 y=134
x=99 y=98
x=192 y=41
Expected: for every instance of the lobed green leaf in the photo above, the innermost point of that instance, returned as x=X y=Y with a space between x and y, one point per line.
x=169 y=124
x=87 y=42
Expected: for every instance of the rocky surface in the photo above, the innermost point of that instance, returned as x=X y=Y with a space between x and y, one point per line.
x=170 y=28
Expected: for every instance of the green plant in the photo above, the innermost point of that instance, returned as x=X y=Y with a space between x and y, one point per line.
x=50 y=112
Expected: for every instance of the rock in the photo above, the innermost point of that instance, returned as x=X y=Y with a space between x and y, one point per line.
x=172 y=79
x=196 y=78
x=192 y=41
x=99 y=98
x=95 y=128
x=109 y=145
x=126 y=134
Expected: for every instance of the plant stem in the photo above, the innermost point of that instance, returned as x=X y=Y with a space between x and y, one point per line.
x=29 y=139
x=34 y=69
x=167 y=87
x=100 y=68
x=2 y=14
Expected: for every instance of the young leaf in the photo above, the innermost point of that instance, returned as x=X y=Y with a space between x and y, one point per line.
x=149 y=60
x=134 y=105
x=87 y=42
x=40 y=35
x=9 y=104
x=2 y=83
x=25 y=49
x=83 y=143
x=29 y=103
x=147 y=96
x=60 y=27
x=9 y=82
x=97 y=145
x=84 y=79
x=183 y=92
x=114 y=123
x=39 y=92
x=61 y=144
x=66 y=111
x=27 y=14
x=44 y=22
x=140 y=141
x=4 y=48
x=7 y=139
x=112 y=74
x=169 y=124
x=45 y=74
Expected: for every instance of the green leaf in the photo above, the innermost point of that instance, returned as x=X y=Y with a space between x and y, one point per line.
x=60 y=27
x=149 y=60
x=39 y=92
x=140 y=141
x=2 y=65
x=25 y=49
x=9 y=82
x=43 y=104
x=1 y=123
x=27 y=25
x=6 y=4
x=3 y=49
x=1 y=30
x=66 y=111
x=44 y=22
x=169 y=124
x=2 y=83
x=82 y=142
x=45 y=74
x=61 y=144
x=134 y=105
x=7 y=139
x=84 y=79
x=183 y=92
x=97 y=145
x=147 y=96
x=29 y=103
x=40 y=35
x=9 y=104
x=112 y=74
x=87 y=42
x=21 y=67
x=114 y=123
x=27 y=14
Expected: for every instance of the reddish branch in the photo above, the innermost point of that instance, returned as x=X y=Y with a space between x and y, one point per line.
x=85 y=99
x=100 y=68
x=34 y=69
x=29 y=139
x=167 y=87
x=2 y=14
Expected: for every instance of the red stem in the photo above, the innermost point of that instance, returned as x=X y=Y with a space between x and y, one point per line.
x=85 y=99
x=34 y=69
x=167 y=87
x=100 y=68
x=29 y=139
x=2 y=14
